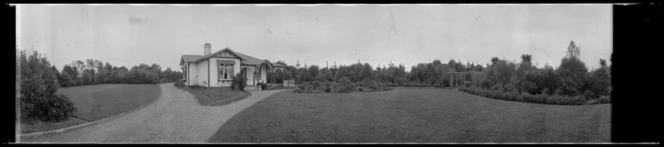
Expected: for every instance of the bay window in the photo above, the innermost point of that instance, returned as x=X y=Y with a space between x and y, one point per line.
x=225 y=70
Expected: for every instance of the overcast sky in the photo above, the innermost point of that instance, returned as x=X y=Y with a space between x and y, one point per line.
x=127 y=35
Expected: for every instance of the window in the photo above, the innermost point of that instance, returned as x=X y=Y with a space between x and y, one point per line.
x=225 y=71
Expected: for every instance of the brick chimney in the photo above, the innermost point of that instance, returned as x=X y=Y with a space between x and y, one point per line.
x=207 y=49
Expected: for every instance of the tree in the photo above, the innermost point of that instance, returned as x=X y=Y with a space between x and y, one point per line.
x=494 y=60
x=500 y=73
x=573 y=50
x=599 y=81
x=451 y=63
x=525 y=67
x=312 y=72
x=38 y=97
x=324 y=75
x=572 y=73
x=436 y=62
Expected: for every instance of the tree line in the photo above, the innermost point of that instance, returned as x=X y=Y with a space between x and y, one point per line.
x=92 y=71
x=570 y=78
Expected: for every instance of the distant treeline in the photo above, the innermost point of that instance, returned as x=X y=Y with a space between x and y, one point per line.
x=571 y=78
x=92 y=71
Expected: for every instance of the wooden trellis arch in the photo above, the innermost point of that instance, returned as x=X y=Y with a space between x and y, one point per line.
x=460 y=78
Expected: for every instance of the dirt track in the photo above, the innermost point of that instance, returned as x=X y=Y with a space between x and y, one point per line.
x=176 y=117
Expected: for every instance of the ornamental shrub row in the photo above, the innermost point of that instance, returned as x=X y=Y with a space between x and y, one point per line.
x=525 y=97
x=343 y=86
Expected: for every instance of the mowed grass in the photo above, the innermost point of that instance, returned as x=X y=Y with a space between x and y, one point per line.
x=30 y=126
x=95 y=102
x=101 y=101
x=216 y=96
x=403 y=115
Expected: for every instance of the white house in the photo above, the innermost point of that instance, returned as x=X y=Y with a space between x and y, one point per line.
x=217 y=69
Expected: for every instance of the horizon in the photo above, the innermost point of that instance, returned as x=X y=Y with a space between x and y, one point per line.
x=128 y=35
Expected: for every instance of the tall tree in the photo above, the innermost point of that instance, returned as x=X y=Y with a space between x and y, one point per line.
x=573 y=50
x=436 y=62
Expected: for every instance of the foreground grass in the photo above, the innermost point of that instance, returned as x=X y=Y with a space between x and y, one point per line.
x=412 y=115
x=216 y=96
x=280 y=87
x=97 y=102
x=30 y=126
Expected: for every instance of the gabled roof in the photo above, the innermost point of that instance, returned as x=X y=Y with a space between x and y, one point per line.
x=244 y=59
x=189 y=58
x=248 y=59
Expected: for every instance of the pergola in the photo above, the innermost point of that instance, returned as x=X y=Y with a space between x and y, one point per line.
x=459 y=78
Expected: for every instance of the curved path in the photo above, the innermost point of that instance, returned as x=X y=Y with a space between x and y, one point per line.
x=176 y=117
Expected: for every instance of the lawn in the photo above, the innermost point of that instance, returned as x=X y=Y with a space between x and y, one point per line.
x=412 y=114
x=216 y=96
x=97 y=102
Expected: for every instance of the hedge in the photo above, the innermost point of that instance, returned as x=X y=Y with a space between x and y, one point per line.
x=540 y=98
x=344 y=87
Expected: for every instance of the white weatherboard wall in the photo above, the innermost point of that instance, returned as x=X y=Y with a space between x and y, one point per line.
x=202 y=73
x=192 y=74
x=214 y=71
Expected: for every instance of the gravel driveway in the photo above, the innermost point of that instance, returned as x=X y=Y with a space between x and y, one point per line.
x=176 y=117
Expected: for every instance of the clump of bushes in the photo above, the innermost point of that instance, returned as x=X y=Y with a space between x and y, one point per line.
x=343 y=86
x=38 y=97
x=525 y=97
x=262 y=85
x=239 y=82
x=415 y=84
x=179 y=83
x=347 y=86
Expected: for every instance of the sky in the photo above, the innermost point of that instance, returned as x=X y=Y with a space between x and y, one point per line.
x=127 y=35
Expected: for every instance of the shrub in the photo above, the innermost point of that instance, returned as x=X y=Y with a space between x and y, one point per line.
x=509 y=88
x=390 y=84
x=317 y=85
x=239 y=82
x=558 y=91
x=589 y=95
x=415 y=84
x=529 y=87
x=604 y=100
x=497 y=87
x=38 y=97
x=63 y=106
x=375 y=85
x=327 y=86
x=546 y=91
x=335 y=87
x=364 y=83
x=305 y=87
x=347 y=85
x=261 y=85
x=179 y=83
